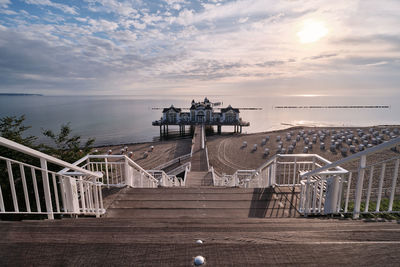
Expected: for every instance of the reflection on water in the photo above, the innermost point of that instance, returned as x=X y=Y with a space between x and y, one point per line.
x=127 y=119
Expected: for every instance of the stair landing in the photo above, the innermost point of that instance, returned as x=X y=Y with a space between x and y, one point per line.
x=203 y=202
x=198 y=179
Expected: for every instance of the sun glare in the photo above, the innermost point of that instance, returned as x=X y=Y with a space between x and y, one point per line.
x=312 y=31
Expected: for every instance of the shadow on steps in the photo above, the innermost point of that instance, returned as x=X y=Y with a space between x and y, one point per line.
x=272 y=203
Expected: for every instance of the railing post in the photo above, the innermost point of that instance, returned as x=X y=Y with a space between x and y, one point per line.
x=274 y=166
x=332 y=194
x=294 y=171
x=12 y=186
x=96 y=197
x=359 y=187
x=71 y=192
x=307 y=197
x=313 y=163
x=107 y=175
x=46 y=189
x=141 y=179
x=128 y=176
x=394 y=182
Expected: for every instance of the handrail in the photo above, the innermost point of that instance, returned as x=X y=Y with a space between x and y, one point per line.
x=161 y=166
x=208 y=163
x=33 y=167
x=34 y=153
x=271 y=160
x=383 y=146
x=180 y=168
x=76 y=163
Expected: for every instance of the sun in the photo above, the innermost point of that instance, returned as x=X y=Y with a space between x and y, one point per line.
x=312 y=31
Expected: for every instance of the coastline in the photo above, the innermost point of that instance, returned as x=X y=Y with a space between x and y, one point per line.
x=224 y=150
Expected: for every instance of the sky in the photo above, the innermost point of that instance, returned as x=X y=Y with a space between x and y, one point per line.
x=220 y=47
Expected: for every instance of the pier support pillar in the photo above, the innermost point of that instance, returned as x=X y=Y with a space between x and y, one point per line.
x=240 y=128
x=167 y=129
x=219 y=129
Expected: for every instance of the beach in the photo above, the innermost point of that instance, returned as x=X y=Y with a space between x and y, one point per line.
x=227 y=153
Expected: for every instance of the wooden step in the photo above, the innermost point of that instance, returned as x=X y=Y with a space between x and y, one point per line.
x=230 y=241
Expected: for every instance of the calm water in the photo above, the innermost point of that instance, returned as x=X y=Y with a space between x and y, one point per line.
x=127 y=119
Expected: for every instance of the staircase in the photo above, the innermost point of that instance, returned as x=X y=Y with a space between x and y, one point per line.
x=198 y=179
x=203 y=202
x=199 y=174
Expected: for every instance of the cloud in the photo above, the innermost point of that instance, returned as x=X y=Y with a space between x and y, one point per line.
x=62 y=7
x=322 y=56
x=103 y=25
x=122 y=8
x=4 y=3
x=135 y=44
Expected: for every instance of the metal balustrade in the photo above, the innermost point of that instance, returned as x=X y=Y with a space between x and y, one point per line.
x=76 y=189
x=370 y=186
x=280 y=170
x=180 y=169
x=117 y=170
x=175 y=160
x=164 y=179
x=37 y=190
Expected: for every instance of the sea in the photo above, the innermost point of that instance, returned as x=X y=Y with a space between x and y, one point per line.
x=124 y=119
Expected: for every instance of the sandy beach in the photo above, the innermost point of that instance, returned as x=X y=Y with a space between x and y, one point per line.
x=227 y=153
x=163 y=151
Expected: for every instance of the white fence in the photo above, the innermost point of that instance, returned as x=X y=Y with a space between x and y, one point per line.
x=175 y=160
x=164 y=179
x=37 y=190
x=371 y=186
x=280 y=170
x=117 y=170
x=76 y=189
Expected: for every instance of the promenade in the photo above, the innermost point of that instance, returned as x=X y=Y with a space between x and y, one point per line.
x=199 y=174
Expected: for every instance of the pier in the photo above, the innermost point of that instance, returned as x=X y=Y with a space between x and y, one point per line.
x=200 y=113
x=199 y=174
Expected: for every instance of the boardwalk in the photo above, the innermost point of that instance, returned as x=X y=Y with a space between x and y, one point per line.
x=199 y=174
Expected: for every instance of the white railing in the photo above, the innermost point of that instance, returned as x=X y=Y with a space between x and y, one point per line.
x=187 y=170
x=164 y=179
x=371 y=186
x=179 y=169
x=280 y=170
x=37 y=190
x=203 y=137
x=117 y=170
x=175 y=160
x=208 y=163
x=214 y=176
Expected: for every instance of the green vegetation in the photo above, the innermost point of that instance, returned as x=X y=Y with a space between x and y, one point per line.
x=66 y=146
x=384 y=206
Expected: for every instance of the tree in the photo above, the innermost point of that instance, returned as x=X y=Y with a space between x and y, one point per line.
x=12 y=128
x=66 y=147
